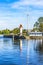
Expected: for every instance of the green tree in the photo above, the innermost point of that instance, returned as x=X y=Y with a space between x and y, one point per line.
x=40 y=20
x=16 y=31
x=41 y=27
x=24 y=32
x=38 y=26
x=0 y=32
x=6 y=31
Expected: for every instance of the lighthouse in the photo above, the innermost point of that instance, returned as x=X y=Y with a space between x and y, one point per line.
x=21 y=28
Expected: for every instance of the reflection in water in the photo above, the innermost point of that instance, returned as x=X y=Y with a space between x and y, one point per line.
x=39 y=46
x=21 y=52
x=20 y=44
x=16 y=42
x=5 y=43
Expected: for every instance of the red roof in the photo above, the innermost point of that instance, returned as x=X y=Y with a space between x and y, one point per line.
x=21 y=26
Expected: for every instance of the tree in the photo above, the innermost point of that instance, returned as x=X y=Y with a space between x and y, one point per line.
x=39 y=25
x=40 y=20
x=0 y=32
x=6 y=31
x=24 y=31
x=36 y=25
x=16 y=31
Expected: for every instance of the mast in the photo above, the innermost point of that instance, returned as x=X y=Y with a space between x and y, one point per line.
x=27 y=23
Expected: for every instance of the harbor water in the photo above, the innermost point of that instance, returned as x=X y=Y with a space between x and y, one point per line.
x=21 y=52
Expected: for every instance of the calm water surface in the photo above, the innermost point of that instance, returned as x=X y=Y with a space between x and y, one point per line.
x=21 y=52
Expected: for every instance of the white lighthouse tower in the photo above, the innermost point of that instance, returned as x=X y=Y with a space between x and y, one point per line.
x=21 y=28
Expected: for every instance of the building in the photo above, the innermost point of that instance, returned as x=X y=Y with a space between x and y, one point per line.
x=36 y=34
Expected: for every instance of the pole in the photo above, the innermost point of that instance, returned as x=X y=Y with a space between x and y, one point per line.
x=27 y=23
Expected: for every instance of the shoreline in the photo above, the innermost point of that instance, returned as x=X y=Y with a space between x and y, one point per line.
x=33 y=37
x=22 y=37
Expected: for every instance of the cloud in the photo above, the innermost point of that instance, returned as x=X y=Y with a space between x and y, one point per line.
x=23 y=3
x=14 y=13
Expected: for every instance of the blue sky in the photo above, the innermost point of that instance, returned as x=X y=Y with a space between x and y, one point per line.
x=14 y=12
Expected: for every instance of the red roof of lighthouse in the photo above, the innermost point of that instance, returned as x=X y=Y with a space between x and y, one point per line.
x=20 y=26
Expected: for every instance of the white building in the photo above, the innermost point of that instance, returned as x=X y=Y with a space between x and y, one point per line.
x=36 y=34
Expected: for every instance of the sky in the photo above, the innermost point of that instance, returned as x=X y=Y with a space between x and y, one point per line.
x=14 y=12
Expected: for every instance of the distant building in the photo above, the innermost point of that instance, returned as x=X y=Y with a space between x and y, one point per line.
x=21 y=29
x=36 y=34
